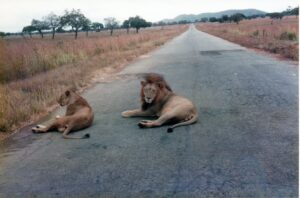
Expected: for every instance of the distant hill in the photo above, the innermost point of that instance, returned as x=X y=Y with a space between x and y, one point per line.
x=194 y=17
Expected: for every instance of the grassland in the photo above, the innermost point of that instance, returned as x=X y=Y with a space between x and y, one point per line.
x=275 y=36
x=33 y=71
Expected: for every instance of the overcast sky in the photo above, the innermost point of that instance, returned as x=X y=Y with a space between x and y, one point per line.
x=15 y=14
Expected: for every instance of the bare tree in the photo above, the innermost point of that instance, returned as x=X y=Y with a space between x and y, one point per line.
x=111 y=23
x=53 y=22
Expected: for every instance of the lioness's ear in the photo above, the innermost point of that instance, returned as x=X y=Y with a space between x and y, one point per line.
x=67 y=93
x=143 y=83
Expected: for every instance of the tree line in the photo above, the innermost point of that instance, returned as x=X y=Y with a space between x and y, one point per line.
x=75 y=21
x=238 y=17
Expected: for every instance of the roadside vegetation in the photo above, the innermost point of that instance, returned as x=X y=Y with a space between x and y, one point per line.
x=276 y=32
x=35 y=69
x=278 y=36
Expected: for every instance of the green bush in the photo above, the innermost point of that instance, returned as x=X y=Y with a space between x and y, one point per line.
x=291 y=36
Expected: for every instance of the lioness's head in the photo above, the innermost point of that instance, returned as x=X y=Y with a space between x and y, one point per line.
x=150 y=91
x=65 y=98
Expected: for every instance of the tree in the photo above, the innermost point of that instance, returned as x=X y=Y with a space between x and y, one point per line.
x=237 y=17
x=60 y=29
x=295 y=11
x=2 y=34
x=126 y=25
x=225 y=18
x=53 y=22
x=29 y=29
x=111 y=23
x=162 y=23
x=275 y=15
x=255 y=16
x=169 y=23
x=97 y=26
x=75 y=19
x=204 y=20
x=213 y=19
x=138 y=22
x=40 y=26
x=87 y=26
x=220 y=20
x=183 y=22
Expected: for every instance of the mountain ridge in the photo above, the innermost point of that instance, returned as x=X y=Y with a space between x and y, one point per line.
x=194 y=17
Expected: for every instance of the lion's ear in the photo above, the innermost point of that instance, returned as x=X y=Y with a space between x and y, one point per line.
x=160 y=85
x=143 y=83
x=67 y=93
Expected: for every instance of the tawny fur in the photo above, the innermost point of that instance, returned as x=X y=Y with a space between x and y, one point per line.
x=79 y=115
x=158 y=99
x=152 y=78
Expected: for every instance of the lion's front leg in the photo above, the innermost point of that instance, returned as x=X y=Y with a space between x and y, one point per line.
x=135 y=113
x=155 y=123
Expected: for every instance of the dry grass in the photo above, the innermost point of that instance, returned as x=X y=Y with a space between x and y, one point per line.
x=33 y=71
x=276 y=36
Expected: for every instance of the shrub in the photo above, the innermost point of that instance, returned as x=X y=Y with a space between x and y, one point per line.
x=291 y=36
x=255 y=33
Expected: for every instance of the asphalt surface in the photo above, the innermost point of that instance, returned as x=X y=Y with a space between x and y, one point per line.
x=244 y=145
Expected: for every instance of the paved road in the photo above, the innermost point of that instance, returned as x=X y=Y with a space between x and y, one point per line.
x=245 y=145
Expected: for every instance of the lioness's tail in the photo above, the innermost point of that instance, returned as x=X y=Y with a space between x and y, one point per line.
x=190 y=121
x=72 y=137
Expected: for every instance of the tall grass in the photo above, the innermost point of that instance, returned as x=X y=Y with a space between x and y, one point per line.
x=33 y=72
x=276 y=36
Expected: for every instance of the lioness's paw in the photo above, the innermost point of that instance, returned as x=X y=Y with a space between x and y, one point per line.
x=126 y=114
x=40 y=126
x=141 y=125
x=35 y=129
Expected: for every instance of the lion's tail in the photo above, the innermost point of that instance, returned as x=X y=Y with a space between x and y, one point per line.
x=190 y=121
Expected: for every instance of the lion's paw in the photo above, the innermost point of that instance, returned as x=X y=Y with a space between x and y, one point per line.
x=126 y=114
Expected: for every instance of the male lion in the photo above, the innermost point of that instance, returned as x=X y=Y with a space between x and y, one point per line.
x=79 y=115
x=159 y=100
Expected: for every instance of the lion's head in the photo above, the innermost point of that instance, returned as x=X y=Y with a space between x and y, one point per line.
x=66 y=98
x=150 y=91
x=154 y=88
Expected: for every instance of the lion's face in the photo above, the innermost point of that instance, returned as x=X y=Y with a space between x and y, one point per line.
x=65 y=98
x=150 y=92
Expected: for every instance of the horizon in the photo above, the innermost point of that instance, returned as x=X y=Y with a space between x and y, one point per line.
x=21 y=13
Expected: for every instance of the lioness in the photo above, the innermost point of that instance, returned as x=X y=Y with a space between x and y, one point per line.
x=158 y=99
x=79 y=115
